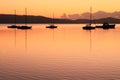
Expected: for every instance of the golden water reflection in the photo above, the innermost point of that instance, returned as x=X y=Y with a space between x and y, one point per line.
x=65 y=53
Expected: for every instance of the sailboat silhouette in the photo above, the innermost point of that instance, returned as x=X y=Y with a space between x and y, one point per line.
x=25 y=26
x=14 y=26
x=89 y=26
x=52 y=26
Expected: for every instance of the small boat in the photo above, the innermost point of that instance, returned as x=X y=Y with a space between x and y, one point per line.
x=52 y=26
x=25 y=26
x=89 y=26
x=14 y=26
x=106 y=26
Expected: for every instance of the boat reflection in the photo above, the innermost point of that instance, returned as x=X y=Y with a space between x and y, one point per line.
x=15 y=36
x=90 y=41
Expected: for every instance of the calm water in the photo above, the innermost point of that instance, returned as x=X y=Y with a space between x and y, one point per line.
x=65 y=53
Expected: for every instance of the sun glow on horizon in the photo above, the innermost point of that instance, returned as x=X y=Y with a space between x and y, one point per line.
x=58 y=7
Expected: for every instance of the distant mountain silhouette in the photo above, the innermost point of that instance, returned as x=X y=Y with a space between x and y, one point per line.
x=8 y=18
x=96 y=15
x=102 y=20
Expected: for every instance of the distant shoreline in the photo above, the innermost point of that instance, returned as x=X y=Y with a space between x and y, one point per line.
x=20 y=19
x=60 y=23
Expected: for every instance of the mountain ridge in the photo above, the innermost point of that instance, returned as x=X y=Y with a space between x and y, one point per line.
x=96 y=15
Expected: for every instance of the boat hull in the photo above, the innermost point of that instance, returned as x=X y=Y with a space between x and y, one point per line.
x=112 y=26
x=52 y=27
x=24 y=27
x=13 y=26
x=88 y=27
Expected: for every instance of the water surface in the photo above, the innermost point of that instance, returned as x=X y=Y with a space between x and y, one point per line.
x=65 y=53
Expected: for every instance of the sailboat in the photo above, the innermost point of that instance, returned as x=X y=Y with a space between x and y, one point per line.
x=89 y=26
x=14 y=26
x=25 y=26
x=52 y=26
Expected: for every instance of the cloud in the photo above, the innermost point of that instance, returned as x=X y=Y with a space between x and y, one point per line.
x=96 y=15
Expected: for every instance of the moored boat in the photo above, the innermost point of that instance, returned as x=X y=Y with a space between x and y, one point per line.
x=89 y=26
x=106 y=26
x=14 y=25
x=25 y=26
x=51 y=26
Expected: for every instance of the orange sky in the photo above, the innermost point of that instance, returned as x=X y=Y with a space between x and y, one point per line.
x=58 y=7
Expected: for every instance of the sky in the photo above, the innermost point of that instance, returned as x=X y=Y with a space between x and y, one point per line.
x=58 y=7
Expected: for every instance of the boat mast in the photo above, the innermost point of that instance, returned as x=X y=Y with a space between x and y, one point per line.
x=90 y=15
x=25 y=16
x=53 y=19
x=15 y=17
